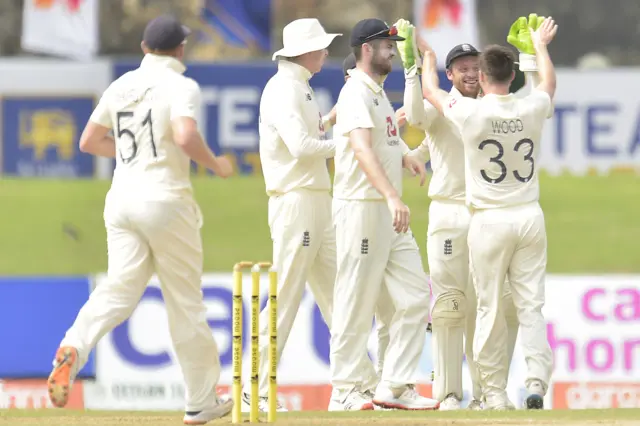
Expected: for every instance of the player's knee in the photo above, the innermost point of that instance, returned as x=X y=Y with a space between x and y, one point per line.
x=529 y=314
x=450 y=310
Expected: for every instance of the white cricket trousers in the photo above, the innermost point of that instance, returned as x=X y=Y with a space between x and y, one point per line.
x=509 y=242
x=448 y=257
x=144 y=237
x=371 y=255
x=453 y=299
x=304 y=251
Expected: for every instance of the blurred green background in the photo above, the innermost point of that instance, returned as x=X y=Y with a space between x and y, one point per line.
x=56 y=226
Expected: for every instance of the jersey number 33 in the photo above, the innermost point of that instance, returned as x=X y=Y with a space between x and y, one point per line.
x=526 y=145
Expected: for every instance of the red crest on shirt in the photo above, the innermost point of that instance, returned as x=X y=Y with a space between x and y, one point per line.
x=452 y=102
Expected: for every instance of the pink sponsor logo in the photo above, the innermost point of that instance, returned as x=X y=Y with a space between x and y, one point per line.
x=602 y=353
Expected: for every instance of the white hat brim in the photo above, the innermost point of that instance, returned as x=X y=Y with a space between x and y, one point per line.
x=306 y=46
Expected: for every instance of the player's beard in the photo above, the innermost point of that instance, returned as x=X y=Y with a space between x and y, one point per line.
x=380 y=65
x=468 y=91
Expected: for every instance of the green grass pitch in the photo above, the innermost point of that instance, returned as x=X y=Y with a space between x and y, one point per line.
x=56 y=227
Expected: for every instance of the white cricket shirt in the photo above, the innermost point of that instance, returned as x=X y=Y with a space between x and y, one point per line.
x=293 y=149
x=501 y=136
x=139 y=107
x=442 y=142
x=363 y=104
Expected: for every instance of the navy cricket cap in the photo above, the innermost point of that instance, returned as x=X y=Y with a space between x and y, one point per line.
x=349 y=63
x=459 y=51
x=372 y=29
x=165 y=33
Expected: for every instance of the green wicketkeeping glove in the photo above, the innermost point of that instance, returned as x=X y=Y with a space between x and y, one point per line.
x=520 y=37
x=408 y=48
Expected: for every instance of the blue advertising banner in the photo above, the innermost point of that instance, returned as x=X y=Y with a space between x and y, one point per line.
x=40 y=136
x=231 y=99
x=35 y=313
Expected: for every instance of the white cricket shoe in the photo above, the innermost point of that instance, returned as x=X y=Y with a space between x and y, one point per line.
x=535 y=397
x=353 y=401
x=369 y=394
x=450 y=403
x=222 y=408
x=263 y=404
x=403 y=398
x=499 y=403
x=474 y=405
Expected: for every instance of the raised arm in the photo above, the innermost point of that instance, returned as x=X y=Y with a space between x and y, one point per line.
x=430 y=82
x=520 y=36
x=541 y=38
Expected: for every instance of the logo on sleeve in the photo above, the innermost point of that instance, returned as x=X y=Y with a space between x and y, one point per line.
x=375 y=102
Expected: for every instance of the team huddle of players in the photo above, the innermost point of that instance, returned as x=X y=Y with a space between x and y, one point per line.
x=486 y=242
x=350 y=240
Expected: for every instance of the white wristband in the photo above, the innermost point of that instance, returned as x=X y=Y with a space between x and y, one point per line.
x=528 y=62
x=411 y=72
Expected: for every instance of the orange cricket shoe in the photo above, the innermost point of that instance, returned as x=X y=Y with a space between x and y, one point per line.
x=65 y=368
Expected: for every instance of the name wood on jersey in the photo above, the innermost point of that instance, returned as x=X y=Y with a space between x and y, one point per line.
x=507 y=126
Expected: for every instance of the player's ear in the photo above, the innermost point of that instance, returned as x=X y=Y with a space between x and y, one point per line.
x=144 y=47
x=449 y=74
x=180 y=52
x=513 y=75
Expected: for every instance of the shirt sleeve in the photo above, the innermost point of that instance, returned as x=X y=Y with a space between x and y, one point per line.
x=187 y=101
x=286 y=109
x=541 y=102
x=100 y=114
x=419 y=112
x=458 y=109
x=353 y=111
x=405 y=148
x=421 y=152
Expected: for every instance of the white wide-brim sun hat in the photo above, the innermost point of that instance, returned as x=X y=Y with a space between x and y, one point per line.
x=303 y=36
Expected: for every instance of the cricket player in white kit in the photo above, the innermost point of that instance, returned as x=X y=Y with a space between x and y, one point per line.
x=374 y=243
x=453 y=310
x=384 y=307
x=152 y=219
x=293 y=153
x=501 y=135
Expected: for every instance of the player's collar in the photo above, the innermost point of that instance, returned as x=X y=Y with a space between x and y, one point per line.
x=294 y=70
x=162 y=61
x=455 y=92
x=500 y=98
x=364 y=77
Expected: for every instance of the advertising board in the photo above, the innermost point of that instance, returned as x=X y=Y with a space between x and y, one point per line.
x=136 y=367
x=44 y=106
x=37 y=311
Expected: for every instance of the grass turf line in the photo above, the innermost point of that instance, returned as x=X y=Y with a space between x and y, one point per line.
x=52 y=227
x=546 y=417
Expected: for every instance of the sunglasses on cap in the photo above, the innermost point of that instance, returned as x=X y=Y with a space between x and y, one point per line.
x=387 y=32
